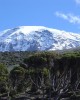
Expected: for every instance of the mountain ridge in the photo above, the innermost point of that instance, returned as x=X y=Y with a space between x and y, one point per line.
x=37 y=38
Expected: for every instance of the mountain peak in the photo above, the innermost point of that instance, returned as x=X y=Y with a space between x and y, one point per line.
x=31 y=38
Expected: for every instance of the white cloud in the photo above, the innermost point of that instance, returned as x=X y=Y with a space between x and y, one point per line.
x=77 y=1
x=69 y=17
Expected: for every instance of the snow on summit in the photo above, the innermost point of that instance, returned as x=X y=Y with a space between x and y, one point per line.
x=34 y=38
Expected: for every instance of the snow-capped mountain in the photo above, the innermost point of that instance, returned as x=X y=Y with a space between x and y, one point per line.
x=31 y=38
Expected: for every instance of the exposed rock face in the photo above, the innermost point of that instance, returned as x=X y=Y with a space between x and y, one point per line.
x=37 y=38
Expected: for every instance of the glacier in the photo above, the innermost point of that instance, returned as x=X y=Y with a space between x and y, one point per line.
x=37 y=38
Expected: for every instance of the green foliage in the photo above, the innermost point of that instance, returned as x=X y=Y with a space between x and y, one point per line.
x=17 y=74
x=3 y=78
x=41 y=59
x=45 y=72
x=71 y=55
x=35 y=61
x=38 y=71
x=3 y=70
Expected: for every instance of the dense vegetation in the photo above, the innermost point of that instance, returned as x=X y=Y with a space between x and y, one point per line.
x=13 y=58
x=42 y=76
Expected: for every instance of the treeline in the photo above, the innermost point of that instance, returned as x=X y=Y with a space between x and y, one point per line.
x=49 y=75
x=13 y=58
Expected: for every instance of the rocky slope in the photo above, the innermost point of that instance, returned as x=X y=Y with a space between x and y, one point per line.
x=37 y=38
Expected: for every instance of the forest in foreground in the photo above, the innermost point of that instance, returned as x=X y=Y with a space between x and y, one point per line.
x=41 y=76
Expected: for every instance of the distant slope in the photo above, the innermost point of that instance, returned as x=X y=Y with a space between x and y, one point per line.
x=37 y=38
x=13 y=58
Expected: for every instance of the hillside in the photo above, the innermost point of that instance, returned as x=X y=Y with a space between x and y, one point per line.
x=41 y=76
x=37 y=38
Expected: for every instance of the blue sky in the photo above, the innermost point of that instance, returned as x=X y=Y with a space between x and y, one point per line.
x=59 y=14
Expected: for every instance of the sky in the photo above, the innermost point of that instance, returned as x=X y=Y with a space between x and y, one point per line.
x=58 y=14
